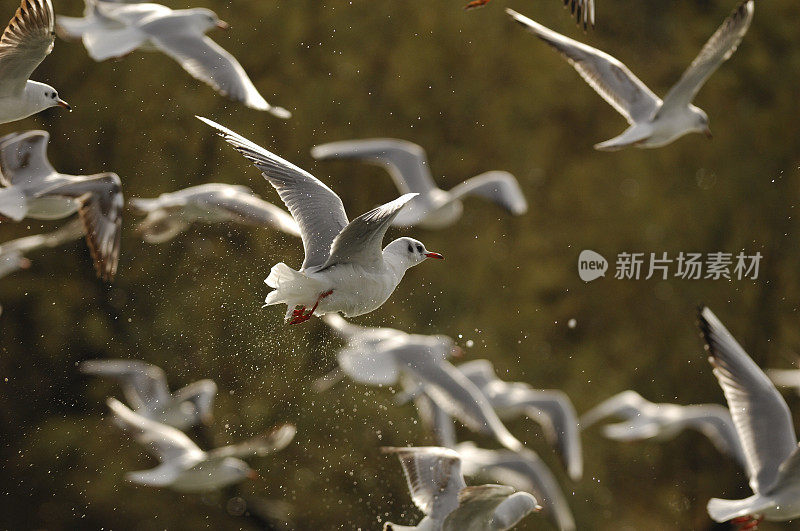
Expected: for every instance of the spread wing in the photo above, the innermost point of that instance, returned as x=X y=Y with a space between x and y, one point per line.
x=316 y=208
x=144 y=385
x=361 y=241
x=207 y=61
x=716 y=51
x=761 y=416
x=275 y=440
x=627 y=404
x=434 y=477
x=23 y=158
x=406 y=162
x=165 y=442
x=493 y=507
x=500 y=187
x=248 y=208
x=25 y=43
x=70 y=231
x=606 y=75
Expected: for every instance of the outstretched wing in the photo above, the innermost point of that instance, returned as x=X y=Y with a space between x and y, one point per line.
x=273 y=441
x=500 y=187
x=606 y=75
x=716 y=51
x=144 y=385
x=627 y=404
x=316 y=208
x=23 y=158
x=361 y=241
x=494 y=507
x=762 y=418
x=25 y=43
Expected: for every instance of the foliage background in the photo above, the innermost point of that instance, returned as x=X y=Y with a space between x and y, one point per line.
x=479 y=94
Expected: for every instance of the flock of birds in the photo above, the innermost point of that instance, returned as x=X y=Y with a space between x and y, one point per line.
x=346 y=270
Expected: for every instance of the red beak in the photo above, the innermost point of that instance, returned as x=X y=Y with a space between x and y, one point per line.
x=434 y=255
x=253 y=475
x=64 y=104
x=221 y=24
x=708 y=134
x=457 y=352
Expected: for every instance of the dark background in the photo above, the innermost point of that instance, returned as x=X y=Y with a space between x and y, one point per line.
x=479 y=94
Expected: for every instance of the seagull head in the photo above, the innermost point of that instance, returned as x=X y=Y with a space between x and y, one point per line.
x=48 y=97
x=701 y=122
x=207 y=19
x=410 y=252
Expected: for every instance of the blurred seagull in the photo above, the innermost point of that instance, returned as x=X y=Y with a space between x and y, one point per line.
x=582 y=10
x=171 y=213
x=421 y=361
x=34 y=189
x=344 y=269
x=406 y=162
x=646 y=420
x=785 y=378
x=653 y=122
x=115 y=29
x=764 y=424
x=26 y=41
x=146 y=391
x=184 y=466
x=552 y=409
x=438 y=489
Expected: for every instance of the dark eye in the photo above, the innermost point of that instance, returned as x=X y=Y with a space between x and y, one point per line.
x=419 y=248
x=53 y=95
x=410 y=248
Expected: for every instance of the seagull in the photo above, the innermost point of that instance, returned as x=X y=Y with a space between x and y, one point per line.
x=407 y=164
x=421 y=361
x=582 y=10
x=524 y=471
x=646 y=420
x=784 y=377
x=170 y=214
x=32 y=188
x=438 y=489
x=146 y=391
x=26 y=41
x=344 y=269
x=184 y=466
x=552 y=409
x=653 y=122
x=766 y=431
x=114 y=29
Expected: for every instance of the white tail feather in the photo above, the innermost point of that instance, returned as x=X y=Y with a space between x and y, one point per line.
x=724 y=510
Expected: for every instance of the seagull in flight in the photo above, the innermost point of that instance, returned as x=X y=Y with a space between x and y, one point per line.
x=438 y=489
x=170 y=214
x=653 y=122
x=582 y=10
x=24 y=44
x=32 y=188
x=146 y=391
x=766 y=431
x=184 y=466
x=345 y=270
x=115 y=29
x=407 y=164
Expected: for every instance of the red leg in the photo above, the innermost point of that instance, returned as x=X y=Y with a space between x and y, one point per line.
x=476 y=3
x=301 y=317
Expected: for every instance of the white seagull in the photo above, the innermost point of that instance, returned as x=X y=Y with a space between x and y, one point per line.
x=551 y=408
x=646 y=420
x=184 y=466
x=170 y=214
x=407 y=164
x=26 y=41
x=420 y=363
x=582 y=10
x=766 y=431
x=32 y=188
x=146 y=391
x=438 y=489
x=345 y=270
x=113 y=29
x=653 y=122
x=12 y=253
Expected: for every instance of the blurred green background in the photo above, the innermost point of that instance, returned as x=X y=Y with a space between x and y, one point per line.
x=479 y=94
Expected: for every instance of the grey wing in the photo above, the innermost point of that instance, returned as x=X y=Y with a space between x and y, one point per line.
x=477 y=506
x=144 y=385
x=250 y=209
x=497 y=186
x=342 y=327
x=208 y=62
x=611 y=79
x=316 y=208
x=202 y=394
x=25 y=43
x=715 y=422
x=406 y=162
x=70 y=231
x=761 y=416
x=479 y=372
x=435 y=420
x=627 y=404
x=554 y=411
x=361 y=241
x=716 y=51
x=165 y=442
x=100 y=209
x=23 y=158
x=785 y=377
x=434 y=477
x=273 y=441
